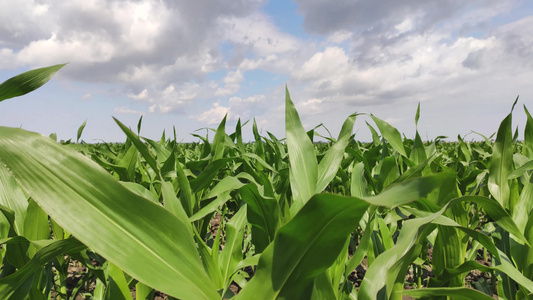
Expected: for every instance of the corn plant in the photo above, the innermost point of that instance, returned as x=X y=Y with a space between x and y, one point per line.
x=275 y=219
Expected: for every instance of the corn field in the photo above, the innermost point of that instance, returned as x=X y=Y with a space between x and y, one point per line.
x=395 y=218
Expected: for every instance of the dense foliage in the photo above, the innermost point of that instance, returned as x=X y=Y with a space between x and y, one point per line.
x=276 y=218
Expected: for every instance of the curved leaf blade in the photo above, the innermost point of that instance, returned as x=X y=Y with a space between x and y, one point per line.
x=329 y=165
x=304 y=248
x=144 y=239
x=27 y=82
x=302 y=158
x=391 y=134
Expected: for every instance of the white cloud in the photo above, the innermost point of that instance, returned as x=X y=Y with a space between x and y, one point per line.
x=393 y=121
x=84 y=48
x=171 y=99
x=140 y=96
x=212 y=116
x=418 y=64
x=311 y=106
x=87 y=97
x=406 y=25
x=339 y=36
x=251 y=99
x=330 y=62
x=358 y=54
x=258 y=33
x=232 y=83
x=127 y=110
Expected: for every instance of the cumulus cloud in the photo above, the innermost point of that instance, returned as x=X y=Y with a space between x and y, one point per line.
x=249 y=107
x=140 y=96
x=127 y=110
x=172 y=99
x=140 y=44
x=257 y=33
x=371 y=17
x=232 y=83
x=167 y=54
x=417 y=66
x=212 y=116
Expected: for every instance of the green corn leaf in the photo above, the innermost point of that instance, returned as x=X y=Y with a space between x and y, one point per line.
x=496 y=212
x=524 y=205
x=232 y=254
x=80 y=131
x=210 y=263
x=35 y=225
x=143 y=149
x=528 y=135
x=417 y=115
x=162 y=154
x=129 y=163
x=322 y=288
x=148 y=242
x=388 y=172
x=391 y=134
x=382 y=274
x=263 y=214
x=229 y=183
x=418 y=154
x=453 y=292
x=11 y=196
x=261 y=162
x=9 y=284
x=238 y=136
x=187 y=198
x=408 y=191
x=27 y=82
x=304 y=248
x=172 y=203
x=205 y=178
x=213 y=206
x=139 y=124
x=506 y=267
x=521 y=170
x=140 y=190
x=219 y=140
x=502 y=162
x=142 y=291
x=375 y=136
x=329 y=165
x=258 y=145
x=302 y=158
x=528 y=260
x=358 y=183
x=117 y=287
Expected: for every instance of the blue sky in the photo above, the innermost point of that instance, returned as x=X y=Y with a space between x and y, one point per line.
x=187 y=64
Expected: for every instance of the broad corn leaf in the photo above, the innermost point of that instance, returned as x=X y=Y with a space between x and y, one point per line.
x=384 y=271
x=502 y=162
x=329 y=165
x=9 y=284
x=219 y=140
x=139 y=236
x=453 y=292
x=391 y=134
x=11 y=196
x=27 y=82
x=231 y=255
x=528 y=135
x=302 y=158
x=263 y=214
x=304 y=248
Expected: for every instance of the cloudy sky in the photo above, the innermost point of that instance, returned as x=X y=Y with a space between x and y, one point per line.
x=188 y=63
